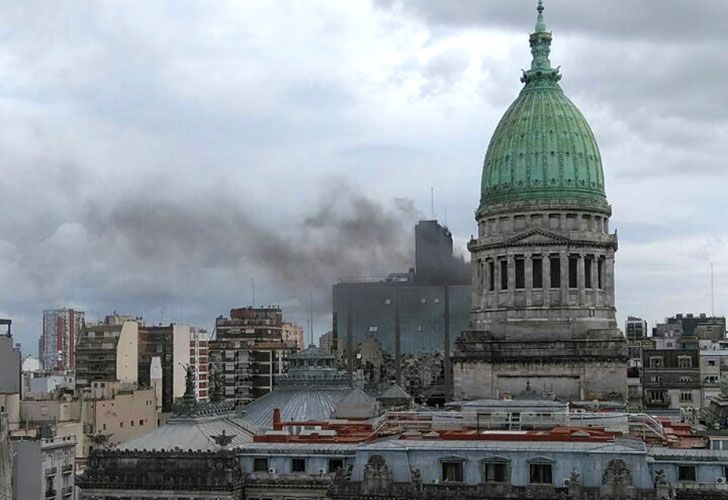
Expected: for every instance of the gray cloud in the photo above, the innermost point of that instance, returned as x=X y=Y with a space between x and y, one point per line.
x=154 y=159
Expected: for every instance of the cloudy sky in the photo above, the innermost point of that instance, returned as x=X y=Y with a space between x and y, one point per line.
x=155 y=157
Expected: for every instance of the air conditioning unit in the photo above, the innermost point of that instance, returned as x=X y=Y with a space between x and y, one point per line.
x=271 y=470
x=720 y=480
x=322 y=471
x=565 y=483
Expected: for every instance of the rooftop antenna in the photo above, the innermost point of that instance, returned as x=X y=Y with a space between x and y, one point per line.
x=252 y=286
x=432 y=202
x=310 y=331
x=712 y=292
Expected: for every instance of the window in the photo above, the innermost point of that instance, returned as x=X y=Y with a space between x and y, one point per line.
x=520 y=273
x=555 y=272
x=452 y=472
x=655 y=396
x=600 y=273
x=373 y=329
x=655 y=378
x=504 y=275
x=537 y=272
x=684 y=362
x=656 y=362
x=423 y=300
x=387 y=301
x=711 y=362
x=335 y=464
x=686 y=473
x=491 y=275
x=686 y=397
x=141 y=421
x=573 y=276
x=588 y=271
x=685 y=380
x=496 y=472
x=260 y=465
x=121 y=425
x=298 y=465
x=540 y=474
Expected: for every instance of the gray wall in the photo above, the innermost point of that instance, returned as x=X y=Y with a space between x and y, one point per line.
x=9 y=366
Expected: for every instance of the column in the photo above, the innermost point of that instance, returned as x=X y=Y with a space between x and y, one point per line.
x=528 y=272
x=546 y=279
x=564 y=258
x=580 y=280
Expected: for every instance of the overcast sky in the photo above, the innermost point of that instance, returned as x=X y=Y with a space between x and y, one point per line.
x=155 y=157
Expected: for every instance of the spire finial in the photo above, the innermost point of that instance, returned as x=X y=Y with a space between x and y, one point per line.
x=540 y=23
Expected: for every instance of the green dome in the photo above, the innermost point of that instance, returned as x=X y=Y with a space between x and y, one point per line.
x=543 y=148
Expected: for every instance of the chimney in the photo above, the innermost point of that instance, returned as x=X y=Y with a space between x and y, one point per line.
x=277 y=419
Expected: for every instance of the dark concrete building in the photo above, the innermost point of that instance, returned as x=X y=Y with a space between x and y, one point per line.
x=247 y=353
x=379 y=322
x=671 y=378
x=700 y=326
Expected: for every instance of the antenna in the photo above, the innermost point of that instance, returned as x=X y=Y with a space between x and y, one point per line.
x=252 y=286
x=712 y=292
x=432 y=202
x=310 y=331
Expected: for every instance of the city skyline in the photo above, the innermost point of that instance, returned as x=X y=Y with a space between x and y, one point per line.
x=150 y=186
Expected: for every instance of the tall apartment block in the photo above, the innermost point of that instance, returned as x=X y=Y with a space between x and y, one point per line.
x=199 y=340
x=57 y=345
x=108 y=352
x=292 y=333
x=171 y=344
x=247 y=353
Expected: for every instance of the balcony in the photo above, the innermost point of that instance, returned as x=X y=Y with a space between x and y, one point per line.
x=51 y=471
x=67 y=469
x=67 y=491
x=51 y=493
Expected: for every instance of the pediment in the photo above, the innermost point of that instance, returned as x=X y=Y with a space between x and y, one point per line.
x=537 y=237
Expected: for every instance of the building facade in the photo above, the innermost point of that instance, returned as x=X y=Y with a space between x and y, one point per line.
x=171 y=344
x=635 y=328
x=61 y=330
x=44 y=468
x=199 y=340
x=108 y=352
x=292 y=334
x=247 y=354
x=671 y=379
x=543 y=261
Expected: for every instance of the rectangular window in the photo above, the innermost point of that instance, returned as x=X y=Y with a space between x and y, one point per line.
x=504 y=275
x=656 y=362
x=711 y=362
x=540 y=474
x=573 y=276
x=336 y=464
x=491 y=275
x=686 y=397
x=537 y=272
x=452 y=472
x=588 y=271
x=298 y=465
x=496 y=472
x=260 y=465
x=685 y=362
x=555 y=272
x=686 y=473
x=600 y=273
x=520 y=273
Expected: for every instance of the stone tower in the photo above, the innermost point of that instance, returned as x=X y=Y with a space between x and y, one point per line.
x=543 y=315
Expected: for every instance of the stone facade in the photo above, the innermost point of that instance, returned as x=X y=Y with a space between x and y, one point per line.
x=543 y=314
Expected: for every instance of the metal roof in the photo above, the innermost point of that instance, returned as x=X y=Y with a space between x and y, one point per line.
x=296 y=405
x=689 y=454
x=189 y=434
x=494 y=446
x=508 y=403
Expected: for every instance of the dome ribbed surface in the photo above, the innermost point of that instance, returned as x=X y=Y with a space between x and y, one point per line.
x=543 y=148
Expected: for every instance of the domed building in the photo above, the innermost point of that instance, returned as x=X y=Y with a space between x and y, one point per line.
x=543 y=314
